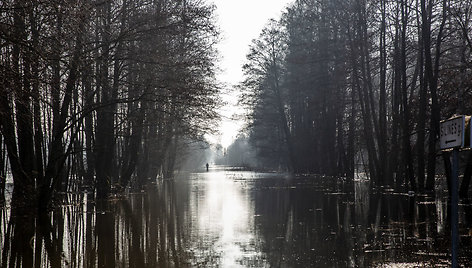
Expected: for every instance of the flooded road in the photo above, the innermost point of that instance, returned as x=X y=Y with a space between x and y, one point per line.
x=225 y=218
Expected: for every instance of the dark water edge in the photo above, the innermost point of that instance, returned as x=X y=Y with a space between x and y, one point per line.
x=233 y=218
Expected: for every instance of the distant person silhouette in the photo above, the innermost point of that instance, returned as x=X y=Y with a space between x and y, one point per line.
x=2 y=188
x=207 y=166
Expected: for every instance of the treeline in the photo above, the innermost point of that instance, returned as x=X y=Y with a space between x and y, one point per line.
x=99 y=94
x=344 y=87
x=240 y=154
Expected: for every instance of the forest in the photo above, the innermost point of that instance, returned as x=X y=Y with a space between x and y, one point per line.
x=109 y=111
x=345 y=88
x=102 y=95
x=106 y=95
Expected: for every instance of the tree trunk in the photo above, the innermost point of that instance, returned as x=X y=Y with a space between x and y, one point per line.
x=57 y=154
x=365 y=110
x=131 y=150
x=396 y=113
x=18 y=139
x=3 y=170
x=382 y=99
x=351 y=150
x=432 y=77
x=463 y=192
x=420 y=143
x=406 y=109
x=88 y=127
x=105 y=134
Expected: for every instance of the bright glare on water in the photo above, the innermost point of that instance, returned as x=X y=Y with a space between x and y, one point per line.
x=239 y=219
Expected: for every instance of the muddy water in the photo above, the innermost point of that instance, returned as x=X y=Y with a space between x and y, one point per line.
x=239 y=219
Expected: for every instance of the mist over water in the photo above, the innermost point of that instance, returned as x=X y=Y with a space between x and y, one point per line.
x=226 y=218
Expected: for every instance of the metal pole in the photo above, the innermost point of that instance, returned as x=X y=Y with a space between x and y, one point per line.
x=454 y=206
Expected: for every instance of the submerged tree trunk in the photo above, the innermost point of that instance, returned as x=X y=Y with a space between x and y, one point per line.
x=383 y=146
x=364 y=107
x=105 y=130
x=15 y=120
x=287 y=135
x=432 y=74
x=407 y=156
x=88 y=128
x=351 y=150
x=420 y=143
x=132 y=148
x=57 y=153
x=396 y=110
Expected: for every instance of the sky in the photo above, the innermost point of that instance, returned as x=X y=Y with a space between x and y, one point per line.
x=240 y=22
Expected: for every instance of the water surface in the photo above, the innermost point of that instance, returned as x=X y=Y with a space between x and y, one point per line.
x=239 y=219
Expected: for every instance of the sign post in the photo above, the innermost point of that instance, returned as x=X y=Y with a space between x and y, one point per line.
x=453 y=136
x=455 y=206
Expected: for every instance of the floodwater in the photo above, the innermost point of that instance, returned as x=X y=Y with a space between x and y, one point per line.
x=239 y=219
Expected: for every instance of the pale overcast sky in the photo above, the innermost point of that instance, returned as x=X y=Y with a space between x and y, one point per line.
x=240 y=22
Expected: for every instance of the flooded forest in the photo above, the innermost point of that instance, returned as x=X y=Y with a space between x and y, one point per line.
x=107 y=109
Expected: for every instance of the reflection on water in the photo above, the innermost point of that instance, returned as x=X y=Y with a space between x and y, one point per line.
x=225 y=234
x=224 y=213
x=238 y=219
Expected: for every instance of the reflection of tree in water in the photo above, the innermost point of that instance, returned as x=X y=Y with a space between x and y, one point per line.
x=143 y=230
x=466 y=239
x=304 y=226
x=17 y=250
x=298 y=222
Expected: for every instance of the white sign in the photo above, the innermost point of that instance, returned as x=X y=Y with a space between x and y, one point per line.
x=452 y=133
